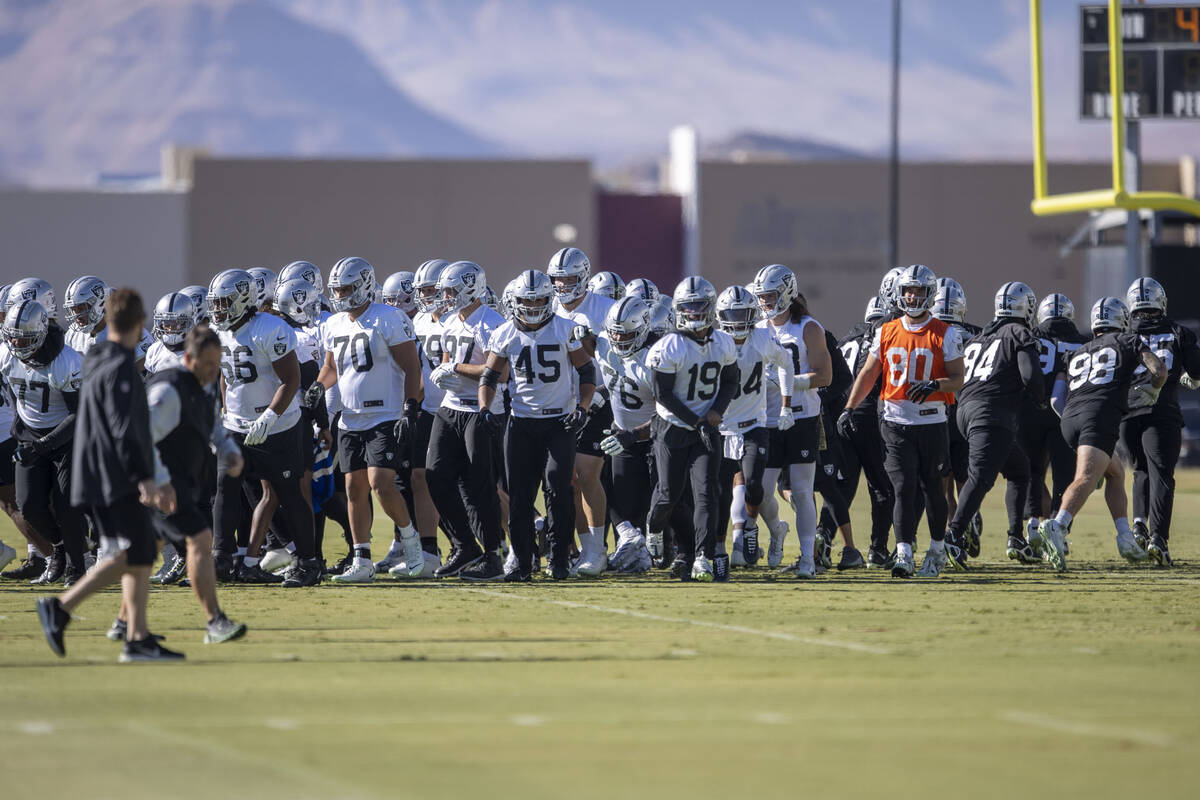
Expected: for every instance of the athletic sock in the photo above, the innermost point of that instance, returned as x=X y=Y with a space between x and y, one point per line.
x=903 y=549
x=362 y=551
x=1064 y=517
x=1136 y=520
x=937 y=546
x=597 y=539
x=737 y=509
x=1123 y=527
x=241 y=552
x=290 y=547
x=250 y=561
x=407 y=532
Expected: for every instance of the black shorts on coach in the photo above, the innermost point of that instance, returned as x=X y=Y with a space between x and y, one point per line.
x=125 y=525
x=374 y=447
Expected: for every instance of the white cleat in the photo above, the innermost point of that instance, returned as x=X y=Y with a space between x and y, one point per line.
x=1033 y=535
x=775 y=549
x=7 y=554
x=277 y=559
x=592 y=565
x=401 y=570
x=394 y=557
x=702 y=570
x=1130 y=550
x=360 y=571
x=1054 y=550
x=736 y=559
x=933 y=564
x=414 y=558
x=510 y=561
x=806 y=568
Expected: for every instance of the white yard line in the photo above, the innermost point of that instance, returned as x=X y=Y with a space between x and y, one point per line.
x=1151 y=738
x=700 y=623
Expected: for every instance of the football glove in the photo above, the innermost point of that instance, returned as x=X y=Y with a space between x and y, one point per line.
x=27 y=452
x=845 y=423
x=1142 y=395
x=919 y=391
x=710 y=436
x=312 y=396
x=599 y=400
x=406 y=429
x=493 y=422
x=786 y=418
x=576 y=420
x=445 y=378
x=618 y=441
x=581 y=332
x=260 y=429
x=1189 y=381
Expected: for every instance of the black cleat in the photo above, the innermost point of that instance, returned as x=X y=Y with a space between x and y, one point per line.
x=175 y=573
x=851 y=559
x=302 y=573
x=518 y=575
x=487 y=568
x=1158 y=551
x=970 y=540
x=54 y=619
x=458 y=560
x=823 y=545
x=56 y=565
x=558 y=570
x=225 y=566
x=148 y=649
x=338 y=567
x=878 y=558
x=256 y=574
x=720 y=564
x=1141 y=534
x=681 y=567
x=1020 y=551
x=29 y=569
x=956 y=557
x=750 y=551
x=71 y=575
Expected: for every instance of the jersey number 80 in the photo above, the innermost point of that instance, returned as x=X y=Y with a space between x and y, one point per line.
x=903 y=366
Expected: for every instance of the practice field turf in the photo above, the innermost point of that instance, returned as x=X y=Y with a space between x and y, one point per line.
x=1005 y=682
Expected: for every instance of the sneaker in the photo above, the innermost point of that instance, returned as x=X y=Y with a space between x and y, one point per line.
x=56 y=565
x=792 y=567
x=702 y=570
x=72 y=574
x=904 y=566
x=878 y=558
x=7 y=554
x=29 y=568
x=361 y=570
x=488 y=568
x=456 y=562
x=148 y=649
x=656 y=545
x=302 y=573
x=680 y=566
x=749 y=550
x=822 y=548
x=1141 y=534
x=976 y=525
x=592 y=565
x=1157 y=550
x=1053 y=552
x=721 y=568
x=223 y=629
x=851 y=559
x=225 y=567
x=933 y=564
x=277 y=560
x=54 y=619
x=1128 y=547
x=775 y=548
x=257 y=574
x=1019 y=550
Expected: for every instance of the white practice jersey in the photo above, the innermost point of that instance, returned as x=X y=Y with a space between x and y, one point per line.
x=630 y=384
x=791 y=335
x=6 y=403
x=308 y=344
x=160 y=357
x=591 y=311
x=467 y=343
x=697 y=368
x=429 y=347
x=759 y=354
x=81 y=341
x=370 y=382
x=39 y=390
x=774 y=399
x=247 y=358
x=540 y=367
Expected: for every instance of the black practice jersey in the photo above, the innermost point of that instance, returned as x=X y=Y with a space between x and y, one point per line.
x=1057 y=340
x=834 y=395
x=855 y=346
x=1100 y=373
x=1176 y=346
x=992 y=375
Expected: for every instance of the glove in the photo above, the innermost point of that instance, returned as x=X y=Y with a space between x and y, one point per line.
x=313 y=395
x=445 y=378
x=27 y=452
x=710 y=436
x=406 y=428
x=786 y=419
x=599 y=401
x=493 y=422
x=580 y=332
x=618 y=441
x=1142 y=395
x=575 y=421
x=260 y=429
x=845 y=424
x=919 y=392
x=1189 y=381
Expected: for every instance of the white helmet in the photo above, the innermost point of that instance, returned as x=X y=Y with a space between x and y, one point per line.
x=1015 y=300
x=34 y=289
x=1109 y=314
x=351 y=283
x=461 y=284
x=643 y=288
x=506 y=298
x=264 y=285
x=774 y=287
x=737 y=311
x=25 y=327
x=532 y=298
x=425 y=284
x=662 y=315
x=694 y=303
x=305 y=271
x=1146 y=295
x=299 y=301
x=915 y=276
x=84 y=301
x=887 y=287
x=199 y=297
x=876 y=310
x=950 y=306
x=174 y=316
x=398 y=291
x=230 y=297
x=608 y=284
x=490 y=299
x=4 y=299
x=627 y=325
x=942 y=283
x=1055 y=306
x=569 y=269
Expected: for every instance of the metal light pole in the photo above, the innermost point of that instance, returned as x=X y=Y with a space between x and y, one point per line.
x=893 y=251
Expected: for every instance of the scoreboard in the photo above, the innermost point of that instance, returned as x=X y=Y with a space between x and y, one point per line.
x=1161 y=48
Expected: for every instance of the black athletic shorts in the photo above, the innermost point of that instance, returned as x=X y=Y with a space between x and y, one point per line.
x=125 y=525
x=8 y=471
x=190 y=517
x=959 y=452
x=421 y=445
x=801 y=442
x=280 y=458
x=374 y=447
x=588 y=440
x=776 y=449
x=1098 y=427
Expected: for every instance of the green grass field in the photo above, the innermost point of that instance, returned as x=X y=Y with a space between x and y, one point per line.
x=1005 y=682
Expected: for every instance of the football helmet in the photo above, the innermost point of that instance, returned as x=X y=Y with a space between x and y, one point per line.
x=299 y=301
x=532 y=298
x=398 y=291
x=304 y=270
x=915 y=276
x=351 y=283
x=1146 y=296
x=643 y=288
x=569 y=269
x=737 y=311
x=1015 y=300
x=84 y=301
x=876 y=310
x=1109 y=314
x=174 y=316
x=608 y=284
x=774 y=287
x=627 y=324
x=199 y=297
x=694 y=303
x=25 y=327
x=1055 y=306
x=461 y=284
x=662 y=315
x=230 y=297
x=425 y=284
x=490 y=299
x=887 y=287
x=949 y=305
x=4 y=299
x=506 y=298
x=942 y=283
x=264 y=285
x=34 y=289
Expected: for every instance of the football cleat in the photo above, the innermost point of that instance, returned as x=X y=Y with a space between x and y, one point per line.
x=656 y=545
x=775 y=548
x=557 y=571
x=878 y=558
x=1127 y=546
x=591 y=565
x=225 y=567
x=702 y=570
x=680 y=566
x=970 y=540
x=395 y=555
x=1141 y=534
x=303 y=573
x=1019 y=550
x=432 y=564
x=904 y=566
x=517 y=575
x=148 y=649
x=806 y=569
x=630 y=543
x=72 y=574
x=29 y=568
x=457 y=560
x=749 y=550
x=1158 y=551
x=487 y=568
x=851 y=559
x=361 y=570
x=1053 y=548
x=175 y=571
x=276 y=560
x=7 y=554
x=56 y=565
x=1033 y=534
x=822 y=548
x=720 y=565
x=934 y=562
x=956 y=551
x=223 y=629
x=54 y=619
x=257 y=574
x=736 y=559
x=510 y=561
x=414 y=559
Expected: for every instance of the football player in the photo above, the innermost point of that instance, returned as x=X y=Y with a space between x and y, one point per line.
x=921 y=360
x=84 y=303
x=174 y=316
x=607 y=284
x=398 y=292
x=264 y=286
x=199 y=297
x=831 y=479
x=1092 y=397
x=950 y=306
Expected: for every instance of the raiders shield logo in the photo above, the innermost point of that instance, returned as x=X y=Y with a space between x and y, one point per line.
x=828 y=469
x=280 y=348
x=804 y=454
x=299 y=296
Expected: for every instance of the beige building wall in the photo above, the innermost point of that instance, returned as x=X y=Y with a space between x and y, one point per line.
x=126 y=238
x=828 y=221
x=396 y=214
